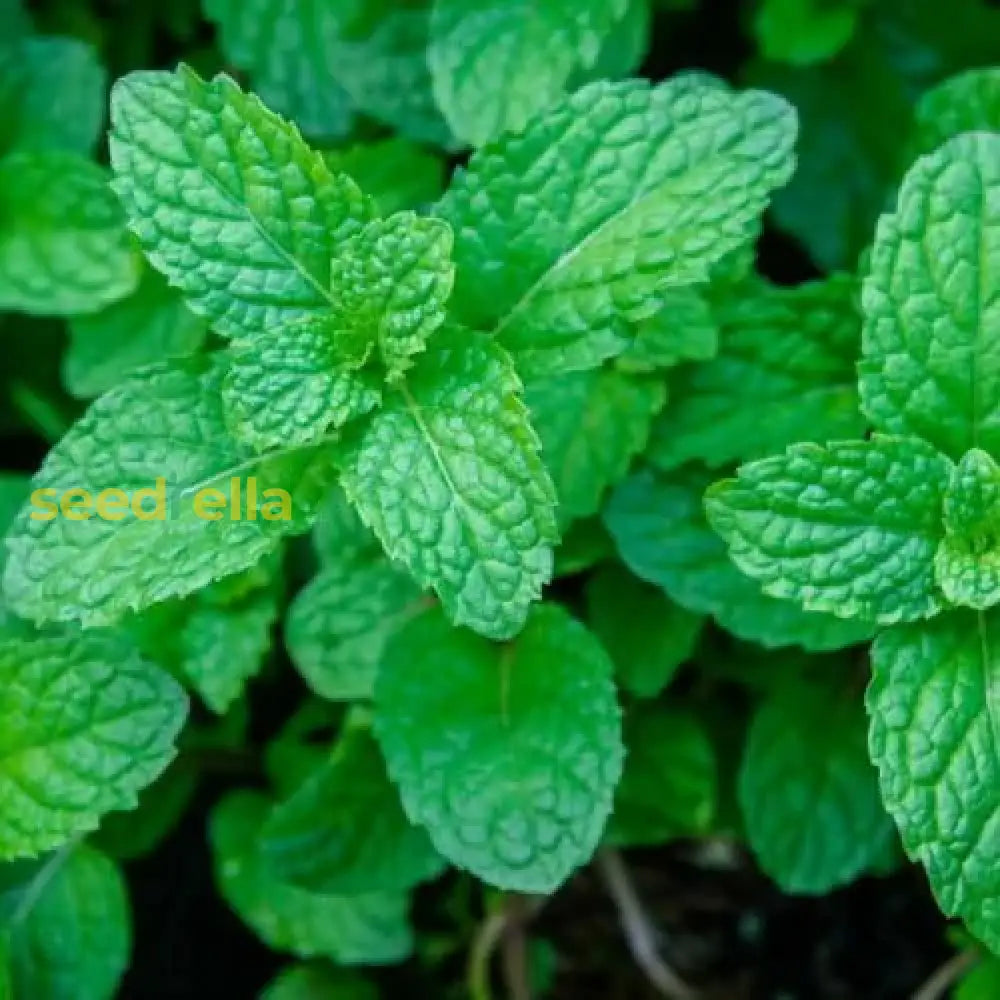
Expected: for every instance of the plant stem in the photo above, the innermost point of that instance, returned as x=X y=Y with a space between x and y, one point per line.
x=946 y=975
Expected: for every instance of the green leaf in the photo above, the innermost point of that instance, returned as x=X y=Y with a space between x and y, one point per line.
x=668 y=789
x=448 y=475
x=591 y=425
x=583 y=546
x=808 y=792
x=63 y=244
x=338 y=625
x=934 y=736
x=682 y=330
x=967 y=563
x=149 y=326
x=659 y=526
x=396 y=172
x=85 y=725
x=340 y=535
x=67 y=926
x=228 y=201
x=51 y=95
x=318 y=982
x=533 y=48
x=507 y=755
x=162 y=432
x=982 y=983
x=368 y=929
x=850 y=528
x=805 y=31
x=647 y=635
x=966 y=102
x=344 y=831
x=785 y=372
x=624 y=48
x=561 y=261
x=931 y=298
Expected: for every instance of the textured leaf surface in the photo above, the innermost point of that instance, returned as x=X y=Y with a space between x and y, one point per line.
x=683 y=329
x=851 y=528
x=560 y=260
x=84 y=725
x=659 y=527
x=533 y=48
x=591 y=425
x=149 y=326
x=339 y=623
x=369 y=929
x=448 y=475
x=808 y=792
x=67 y=924
x=785 y=371
x=967 y=102
x=647 y=635
x=228 y=201
x=935 y=737
x=931 y=299
x=344 y=830
x=63 y=244
x=166 y=425
x=507 y=755
x=668 y=789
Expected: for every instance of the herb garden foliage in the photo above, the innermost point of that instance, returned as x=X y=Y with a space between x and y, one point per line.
x=467 y=389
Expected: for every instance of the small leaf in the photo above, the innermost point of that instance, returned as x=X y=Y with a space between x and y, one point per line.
x=317 y=981
x=966 y=102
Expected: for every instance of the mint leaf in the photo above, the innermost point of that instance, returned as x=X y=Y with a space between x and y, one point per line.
x=967 y=564
x=318 y=982
x=659 y=527
x=533 y=48
x=785 y=371
x=67 y=926
x=447 y=473
x=228 y=201
x=368 y=929
x=63 y=245
x=149 y=326
x=966 y=102
x=850 y=528
x=86 y=724
x=340 y=535
x=647 y=636
x=591 y=425
x=507 y=755
x=934 y=737
x=561 y=263
x=808 y=792
x=982 y=983
x=930 y=366
x=801 y=32
x=344 y=831
x=339 y=623
x=668 y=789
x=682 y=330
x=161 y=431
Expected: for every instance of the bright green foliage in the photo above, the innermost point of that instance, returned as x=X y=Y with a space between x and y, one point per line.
x=559 y=262
x=808 y=792
x=163 y=424
x=668 y=788
x=805 y=31
x=683 y=329
x=785 y=371
x=507 y=755
x=646 y=634
x=84 y=725
x=448 y=473
x=63 y=246
x=149 y=326
x=660 y=530
x=66 y=926
x=339 y=623
x=591 y=425
x=228 y=201
x=851 y=528
x=344 y=831
x=968 y=102
x=982 y=983
x=931 y=366
x=968 y=559
x=934 y=737
x=315 y=981
x=370 y=929
x=533 y=47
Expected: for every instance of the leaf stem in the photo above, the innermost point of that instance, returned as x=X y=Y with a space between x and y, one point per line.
x=947 y=975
